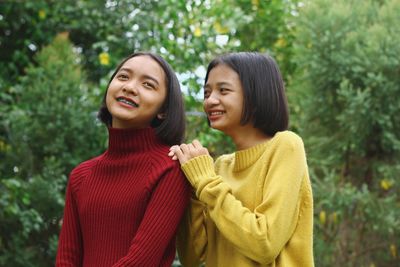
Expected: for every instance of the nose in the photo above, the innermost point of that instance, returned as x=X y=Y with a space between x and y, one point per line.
x=211 y=100
x=130 y=87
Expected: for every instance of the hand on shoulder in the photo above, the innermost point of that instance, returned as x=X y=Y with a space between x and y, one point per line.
x=186 y=152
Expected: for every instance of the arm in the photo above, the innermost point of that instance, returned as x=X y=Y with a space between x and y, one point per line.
x=192 y=238
x=158 y=227
x=259 y=234
x=69 y=252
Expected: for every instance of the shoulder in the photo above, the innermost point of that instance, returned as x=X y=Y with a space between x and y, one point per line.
x=164 y=169
x=159 y=157
x=287 y=140
x=83 y=167
x=162 y=166
x=80 y=172
x=286 y=148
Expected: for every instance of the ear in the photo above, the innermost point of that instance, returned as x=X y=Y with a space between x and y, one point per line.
x=161 y=116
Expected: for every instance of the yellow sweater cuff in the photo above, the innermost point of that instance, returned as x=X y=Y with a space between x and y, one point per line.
x=199 y=168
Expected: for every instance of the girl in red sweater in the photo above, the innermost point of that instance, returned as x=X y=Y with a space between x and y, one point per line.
x=123 y=207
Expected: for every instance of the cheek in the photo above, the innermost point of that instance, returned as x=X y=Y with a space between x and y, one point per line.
x=205 y=104
x=108 y=98
x=161 y=100
x=237 y=107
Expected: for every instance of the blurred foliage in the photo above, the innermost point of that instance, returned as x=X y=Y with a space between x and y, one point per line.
x=339 y=61
x=346 y=93
x=49 y=128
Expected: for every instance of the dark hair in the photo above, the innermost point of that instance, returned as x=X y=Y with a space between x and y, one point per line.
x=264 y=103
x=170 y=130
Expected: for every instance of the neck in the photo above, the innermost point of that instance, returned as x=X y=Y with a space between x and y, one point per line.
x=248 y=136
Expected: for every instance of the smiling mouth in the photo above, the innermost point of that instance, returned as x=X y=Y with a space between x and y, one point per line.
x=127 y=101
x=215 y=113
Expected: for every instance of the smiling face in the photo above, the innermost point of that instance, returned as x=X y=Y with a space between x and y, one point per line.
x=136 y=93
x=223 y=99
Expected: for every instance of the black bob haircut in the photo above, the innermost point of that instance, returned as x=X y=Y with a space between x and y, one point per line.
x=265 y=104
x=170 y=130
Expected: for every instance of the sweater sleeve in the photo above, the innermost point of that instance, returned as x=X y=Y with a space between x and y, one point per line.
x=158 y=227
x=259 y=234
x=192 y=238
x=69 y=252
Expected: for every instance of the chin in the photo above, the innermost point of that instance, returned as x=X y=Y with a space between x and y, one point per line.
x=217 y=127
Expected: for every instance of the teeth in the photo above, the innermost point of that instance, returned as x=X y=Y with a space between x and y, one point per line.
x=216 y=113
x=123 y=100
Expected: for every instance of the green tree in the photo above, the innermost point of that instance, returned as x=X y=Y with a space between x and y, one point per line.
x=50 y=129
x=347 y=92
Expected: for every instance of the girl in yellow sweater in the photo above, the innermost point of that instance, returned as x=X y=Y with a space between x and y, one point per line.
x=253 y=207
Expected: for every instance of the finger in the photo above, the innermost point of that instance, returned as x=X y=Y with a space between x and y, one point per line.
x=191 y=148
x=197 y=144
x=179 y=154
x=184 y=148
x=201 y=150
x=174 y=147
x=172 y=150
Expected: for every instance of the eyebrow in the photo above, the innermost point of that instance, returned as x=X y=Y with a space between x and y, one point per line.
x=145 y=76
x=219 y=84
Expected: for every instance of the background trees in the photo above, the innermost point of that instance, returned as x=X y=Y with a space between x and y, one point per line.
x=347 y=91
x=49 y=128
x=341 y=69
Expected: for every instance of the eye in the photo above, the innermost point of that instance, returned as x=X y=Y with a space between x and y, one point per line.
x=122 y=77
x=207 y=93
x=149 y=85
x=223 y=90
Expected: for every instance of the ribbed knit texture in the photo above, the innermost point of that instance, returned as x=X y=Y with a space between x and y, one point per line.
x=123 y=207
x=254 y=208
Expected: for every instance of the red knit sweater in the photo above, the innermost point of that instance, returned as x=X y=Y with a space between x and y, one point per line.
x=123 y=207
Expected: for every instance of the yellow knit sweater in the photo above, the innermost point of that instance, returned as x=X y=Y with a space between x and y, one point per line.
x=254 y=208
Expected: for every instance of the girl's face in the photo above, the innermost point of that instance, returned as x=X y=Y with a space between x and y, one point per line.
x=136 y=93
x=223 y=99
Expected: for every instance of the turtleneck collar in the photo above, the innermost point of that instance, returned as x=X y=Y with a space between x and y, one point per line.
x=122 y=141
